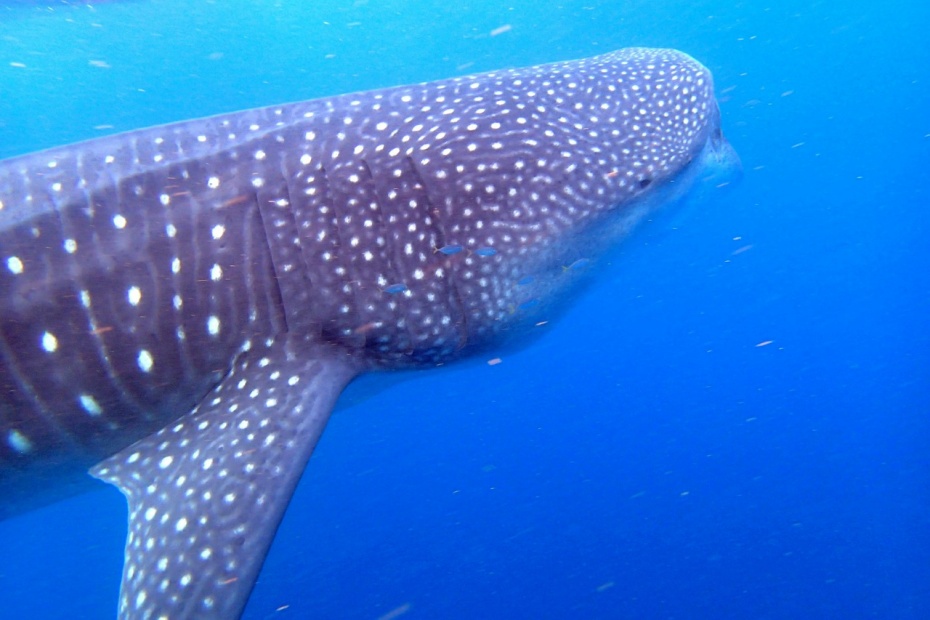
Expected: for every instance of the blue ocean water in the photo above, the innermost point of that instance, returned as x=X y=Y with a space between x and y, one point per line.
x=650 y=456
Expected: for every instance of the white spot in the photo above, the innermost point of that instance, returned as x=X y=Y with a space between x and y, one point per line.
x=179 y=526
x=70 y=246
x=213 y=325
x=119 y=221
x=213 y=182
x=145 y=361
x=166 y=462
x=49 y=342
x=14 y=264
x=150 y=514
x=216 y=273
x=164 y=199
x=134 y=295
x=170 y=230
x=218 y=231
x=18 y=441
x=90 y=404
x=175 y=265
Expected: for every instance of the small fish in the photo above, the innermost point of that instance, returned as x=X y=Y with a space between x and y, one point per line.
x=393 y=289
x=449 y=250
x=581 y=263
x=486 y=251
x=525 y=280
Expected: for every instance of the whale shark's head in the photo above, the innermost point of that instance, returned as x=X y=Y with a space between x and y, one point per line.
x=531 y=175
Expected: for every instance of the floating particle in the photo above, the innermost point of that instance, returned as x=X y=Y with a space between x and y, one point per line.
x=396 y=612
x=741 y=250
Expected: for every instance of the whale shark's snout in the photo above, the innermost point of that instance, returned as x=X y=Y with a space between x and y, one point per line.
x=721 y=163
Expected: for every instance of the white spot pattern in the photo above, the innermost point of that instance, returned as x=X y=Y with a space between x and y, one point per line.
x=409 y=223
x=176 y=495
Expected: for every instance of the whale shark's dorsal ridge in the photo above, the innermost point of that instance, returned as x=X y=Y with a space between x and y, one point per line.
x=181 y=306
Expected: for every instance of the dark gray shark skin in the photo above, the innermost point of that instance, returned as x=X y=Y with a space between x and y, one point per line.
x=181 y=306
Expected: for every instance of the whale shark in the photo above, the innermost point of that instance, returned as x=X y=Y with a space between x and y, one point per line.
x=181 y=306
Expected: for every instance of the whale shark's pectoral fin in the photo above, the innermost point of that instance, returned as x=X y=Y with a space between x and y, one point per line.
x=207 y=493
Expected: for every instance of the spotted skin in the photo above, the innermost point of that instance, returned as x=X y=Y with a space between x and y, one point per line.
x=181 y=306
x=236 y=455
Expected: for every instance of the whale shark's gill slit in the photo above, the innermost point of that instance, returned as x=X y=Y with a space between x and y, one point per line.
x=337 y=265
x=436 y=215
x=273 y=290
x=439 y=236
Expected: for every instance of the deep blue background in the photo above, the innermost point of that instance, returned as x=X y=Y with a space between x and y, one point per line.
x=645 y=459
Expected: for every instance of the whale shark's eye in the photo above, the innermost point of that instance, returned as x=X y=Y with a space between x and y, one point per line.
x=644 y=183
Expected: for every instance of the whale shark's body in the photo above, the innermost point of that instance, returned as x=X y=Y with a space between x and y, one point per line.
x=180 y=307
